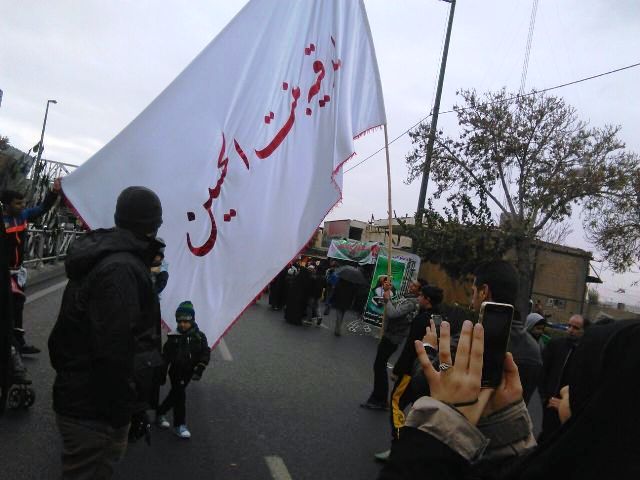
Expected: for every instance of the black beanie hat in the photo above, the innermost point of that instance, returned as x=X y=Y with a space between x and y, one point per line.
x=138 y=209
x=433 y=293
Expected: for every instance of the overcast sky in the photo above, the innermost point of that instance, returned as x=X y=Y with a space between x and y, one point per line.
x=105 y=61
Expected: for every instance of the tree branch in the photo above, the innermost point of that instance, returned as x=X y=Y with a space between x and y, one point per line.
x=473 y=176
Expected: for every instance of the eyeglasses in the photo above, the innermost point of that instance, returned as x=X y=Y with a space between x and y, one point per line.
x=574 y=327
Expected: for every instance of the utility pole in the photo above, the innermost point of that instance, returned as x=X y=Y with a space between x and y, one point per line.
x=434 y=120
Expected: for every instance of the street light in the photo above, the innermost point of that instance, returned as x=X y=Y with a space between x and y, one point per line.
x=41 y=143
x=434 y=119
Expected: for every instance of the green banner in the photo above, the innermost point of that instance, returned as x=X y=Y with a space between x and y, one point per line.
x=362 y=253
x=404 y=269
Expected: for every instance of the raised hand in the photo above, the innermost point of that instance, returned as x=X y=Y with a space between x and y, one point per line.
x=458 y=385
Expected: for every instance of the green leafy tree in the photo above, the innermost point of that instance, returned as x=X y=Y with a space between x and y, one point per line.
x=613 y=225
x=528 y=157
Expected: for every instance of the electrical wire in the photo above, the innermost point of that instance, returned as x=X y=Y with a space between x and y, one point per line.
x=525 y=66
x=534 y=92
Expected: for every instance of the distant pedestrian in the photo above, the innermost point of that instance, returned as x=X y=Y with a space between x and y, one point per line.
x=315 y=287
x=296 y=295
x=330 y=280
x=278 y=290
x=342 y=300
x=186 y=354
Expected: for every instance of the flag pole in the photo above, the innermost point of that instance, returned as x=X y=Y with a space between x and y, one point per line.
x=389 y=241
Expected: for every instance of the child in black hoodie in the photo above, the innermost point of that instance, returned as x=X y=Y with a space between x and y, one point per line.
x=186 y=354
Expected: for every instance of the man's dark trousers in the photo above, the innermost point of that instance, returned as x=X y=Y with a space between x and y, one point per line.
x=380 y=392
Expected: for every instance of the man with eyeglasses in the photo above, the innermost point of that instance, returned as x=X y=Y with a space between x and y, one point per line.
x=554 y=361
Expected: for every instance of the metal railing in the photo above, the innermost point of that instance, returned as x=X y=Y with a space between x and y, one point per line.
x=44 y=245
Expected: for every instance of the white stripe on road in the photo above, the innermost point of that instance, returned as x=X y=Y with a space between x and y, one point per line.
x=277 y=468
x=224 y=351
x=43 y=293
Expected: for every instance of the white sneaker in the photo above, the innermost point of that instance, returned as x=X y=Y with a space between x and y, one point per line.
x=182 y=431
x=162 y=421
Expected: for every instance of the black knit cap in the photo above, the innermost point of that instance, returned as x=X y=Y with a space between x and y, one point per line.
x=138 y=209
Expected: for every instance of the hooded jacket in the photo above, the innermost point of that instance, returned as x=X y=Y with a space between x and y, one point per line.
x=107 y=322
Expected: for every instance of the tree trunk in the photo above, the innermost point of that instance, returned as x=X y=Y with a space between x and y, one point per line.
x=524 y=265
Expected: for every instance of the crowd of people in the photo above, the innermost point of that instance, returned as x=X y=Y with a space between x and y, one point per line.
x=445 y=424
x=107 y=352
x=307 y=290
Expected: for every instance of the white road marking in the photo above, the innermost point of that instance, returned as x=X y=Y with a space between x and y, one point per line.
x=224 y=351
x=43 y=293
x=277 y=468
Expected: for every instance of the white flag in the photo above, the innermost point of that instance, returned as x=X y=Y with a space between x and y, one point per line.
x=245 y=150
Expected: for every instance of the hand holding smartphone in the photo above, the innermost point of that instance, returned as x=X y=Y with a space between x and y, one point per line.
x=496 y=320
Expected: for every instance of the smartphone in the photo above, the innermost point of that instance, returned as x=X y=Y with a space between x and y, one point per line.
x=496 y=319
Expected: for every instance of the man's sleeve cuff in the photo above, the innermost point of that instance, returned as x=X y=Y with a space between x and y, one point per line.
x=509 y=430
x=448 y=426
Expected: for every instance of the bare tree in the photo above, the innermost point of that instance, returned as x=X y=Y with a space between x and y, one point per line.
x=531 y=158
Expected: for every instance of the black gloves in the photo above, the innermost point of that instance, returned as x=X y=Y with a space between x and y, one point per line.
x=197 y=372
x=140 y=427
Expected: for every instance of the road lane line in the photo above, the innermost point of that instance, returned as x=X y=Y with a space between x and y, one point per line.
x=43 y=293
x=277 y=468
x=224 y=351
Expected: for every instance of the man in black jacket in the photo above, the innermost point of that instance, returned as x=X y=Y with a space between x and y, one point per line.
x=555 y=358
x=104 y=343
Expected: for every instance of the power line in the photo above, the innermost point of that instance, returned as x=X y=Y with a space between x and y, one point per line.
x=534 y=92
x=525 y=65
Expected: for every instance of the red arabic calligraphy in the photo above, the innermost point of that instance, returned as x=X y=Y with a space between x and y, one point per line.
x=263 y=153
x=284 y=131
x=208 y=245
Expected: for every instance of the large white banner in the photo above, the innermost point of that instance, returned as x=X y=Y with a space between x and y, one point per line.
x=245 y=150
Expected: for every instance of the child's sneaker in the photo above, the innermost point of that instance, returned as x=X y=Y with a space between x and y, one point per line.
x=162 y=421
x=182 y=431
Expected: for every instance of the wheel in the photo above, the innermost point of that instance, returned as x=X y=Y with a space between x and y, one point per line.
x=29 y=397
x=15 y=398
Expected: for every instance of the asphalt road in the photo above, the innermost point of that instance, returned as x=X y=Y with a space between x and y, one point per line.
x=277 y=402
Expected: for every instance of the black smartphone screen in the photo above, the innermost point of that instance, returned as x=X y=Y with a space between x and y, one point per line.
x=496 y=319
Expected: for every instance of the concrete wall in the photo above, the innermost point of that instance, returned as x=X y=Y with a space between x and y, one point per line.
x=559 y=281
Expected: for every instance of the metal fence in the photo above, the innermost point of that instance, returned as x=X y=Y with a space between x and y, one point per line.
x=48 y=245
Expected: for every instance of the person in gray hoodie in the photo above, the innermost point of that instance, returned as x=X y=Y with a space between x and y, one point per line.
x=398 y=316
x=535 y=325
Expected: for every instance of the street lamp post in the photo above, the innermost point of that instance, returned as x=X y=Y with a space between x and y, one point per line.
x=434 y=119
x=41 y=143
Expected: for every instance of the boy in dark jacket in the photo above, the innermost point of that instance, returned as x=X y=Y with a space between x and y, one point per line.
x=186 y=354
